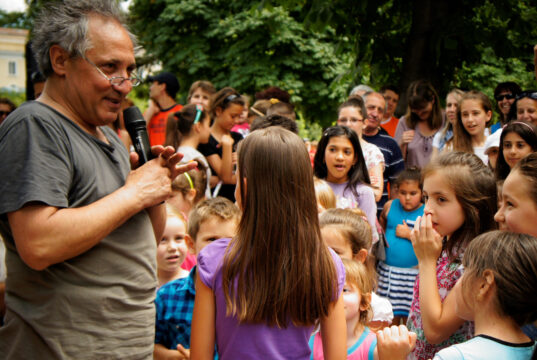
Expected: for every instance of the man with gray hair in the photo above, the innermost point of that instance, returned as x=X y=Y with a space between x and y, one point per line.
x=375 y=105
x=79 y=226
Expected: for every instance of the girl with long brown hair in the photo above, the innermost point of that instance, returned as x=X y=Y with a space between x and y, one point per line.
x=260 y=294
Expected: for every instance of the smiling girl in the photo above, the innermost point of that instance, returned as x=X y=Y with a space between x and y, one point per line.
x=339 y=161
x=226 y=107
x=518 y=139
x=470 y=129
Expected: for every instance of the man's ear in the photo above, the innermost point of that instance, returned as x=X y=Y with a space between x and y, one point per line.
x=58 y=59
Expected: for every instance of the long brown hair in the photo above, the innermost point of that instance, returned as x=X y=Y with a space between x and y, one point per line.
x=420 y=93
x=277 y=269
x=475 y=189
x=462 y=141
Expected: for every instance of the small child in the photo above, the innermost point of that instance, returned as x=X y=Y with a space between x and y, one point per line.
x=326 y=199
x=171 y=249
x=492 y=148
x=497 y=292
x=361 y=341
x=397 y=273
x=188 y=189
x=200 y=93
x=347 y=232
x=209 y=220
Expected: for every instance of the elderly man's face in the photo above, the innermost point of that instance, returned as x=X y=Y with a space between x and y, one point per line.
x=375 y=106
x=93 y=100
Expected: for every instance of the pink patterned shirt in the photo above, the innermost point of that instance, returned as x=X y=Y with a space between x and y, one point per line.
x=447 y=274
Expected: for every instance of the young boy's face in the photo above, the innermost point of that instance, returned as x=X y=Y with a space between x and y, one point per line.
x=210 y=230
x=409 y=195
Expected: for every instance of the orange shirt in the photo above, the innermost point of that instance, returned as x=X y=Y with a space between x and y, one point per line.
x=390 y=126
x=156 y=129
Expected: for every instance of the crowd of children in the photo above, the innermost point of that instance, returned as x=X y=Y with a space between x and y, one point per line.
x=302 y=254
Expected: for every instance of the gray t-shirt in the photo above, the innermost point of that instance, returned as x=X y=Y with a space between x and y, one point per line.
x=98 y=304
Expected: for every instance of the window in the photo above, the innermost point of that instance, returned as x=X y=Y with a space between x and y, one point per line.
x=12 y=68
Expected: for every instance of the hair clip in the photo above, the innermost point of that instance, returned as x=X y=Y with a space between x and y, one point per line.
x=199 y=110
x=274 y=101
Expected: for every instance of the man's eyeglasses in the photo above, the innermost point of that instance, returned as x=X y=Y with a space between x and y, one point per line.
x=4 y=113
x=504 y=96
x=115 y=80
x=527 y=94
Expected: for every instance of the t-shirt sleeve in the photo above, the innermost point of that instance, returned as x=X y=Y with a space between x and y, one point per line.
x=449 y=353
x=340 y=270
x=436 y=139
x=210 y=262
x=369 y=206
x=39 y=167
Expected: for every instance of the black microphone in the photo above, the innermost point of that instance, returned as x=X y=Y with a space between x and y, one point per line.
x=135 y=125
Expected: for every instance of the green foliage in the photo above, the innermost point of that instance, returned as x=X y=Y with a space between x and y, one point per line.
x=247 y=47
x=15 y=19
x=17 y=97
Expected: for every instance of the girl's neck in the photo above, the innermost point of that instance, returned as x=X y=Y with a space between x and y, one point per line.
x=424 y=128
x=354 y=331
x=190 y=141
x=479 y=140
x=218 y=131
x=499 y=327
x=167 y=276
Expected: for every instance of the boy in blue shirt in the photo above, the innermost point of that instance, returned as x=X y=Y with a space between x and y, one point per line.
x=209 y=220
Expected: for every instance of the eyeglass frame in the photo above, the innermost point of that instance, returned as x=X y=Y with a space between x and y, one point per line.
x=135 y=81
x=527 y=94
x=501 y=97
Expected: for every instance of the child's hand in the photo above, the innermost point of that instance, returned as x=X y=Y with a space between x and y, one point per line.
x=426 y=241
x=395 y=342
x=184 y=354
x=403 y=231
x=226 y=141
x=407 y=136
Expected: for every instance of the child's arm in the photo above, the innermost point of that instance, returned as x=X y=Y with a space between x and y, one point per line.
x=334 y=331
x=439 y=319
x=223 y=166
x=394 y=343
x=383 y=218
x=161 y=353
x=377 y=180
x=202 y=337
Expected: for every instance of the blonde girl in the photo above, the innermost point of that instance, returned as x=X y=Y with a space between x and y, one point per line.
x=471 y=132
x=171 y=249
x=188 y=189
x=260 y=294
x=460 y=200
x=446 y=134
x=347 y=232
x=225 y=109
x=361 y=341
x=324 y=195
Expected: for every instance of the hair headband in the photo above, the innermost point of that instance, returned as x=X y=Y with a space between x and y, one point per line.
x=189 y=179
x=521 y=123
x=199 y=110
x=257 y=112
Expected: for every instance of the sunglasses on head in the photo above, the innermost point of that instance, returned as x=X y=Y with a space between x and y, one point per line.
x=504 y=96
x=527 y=94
